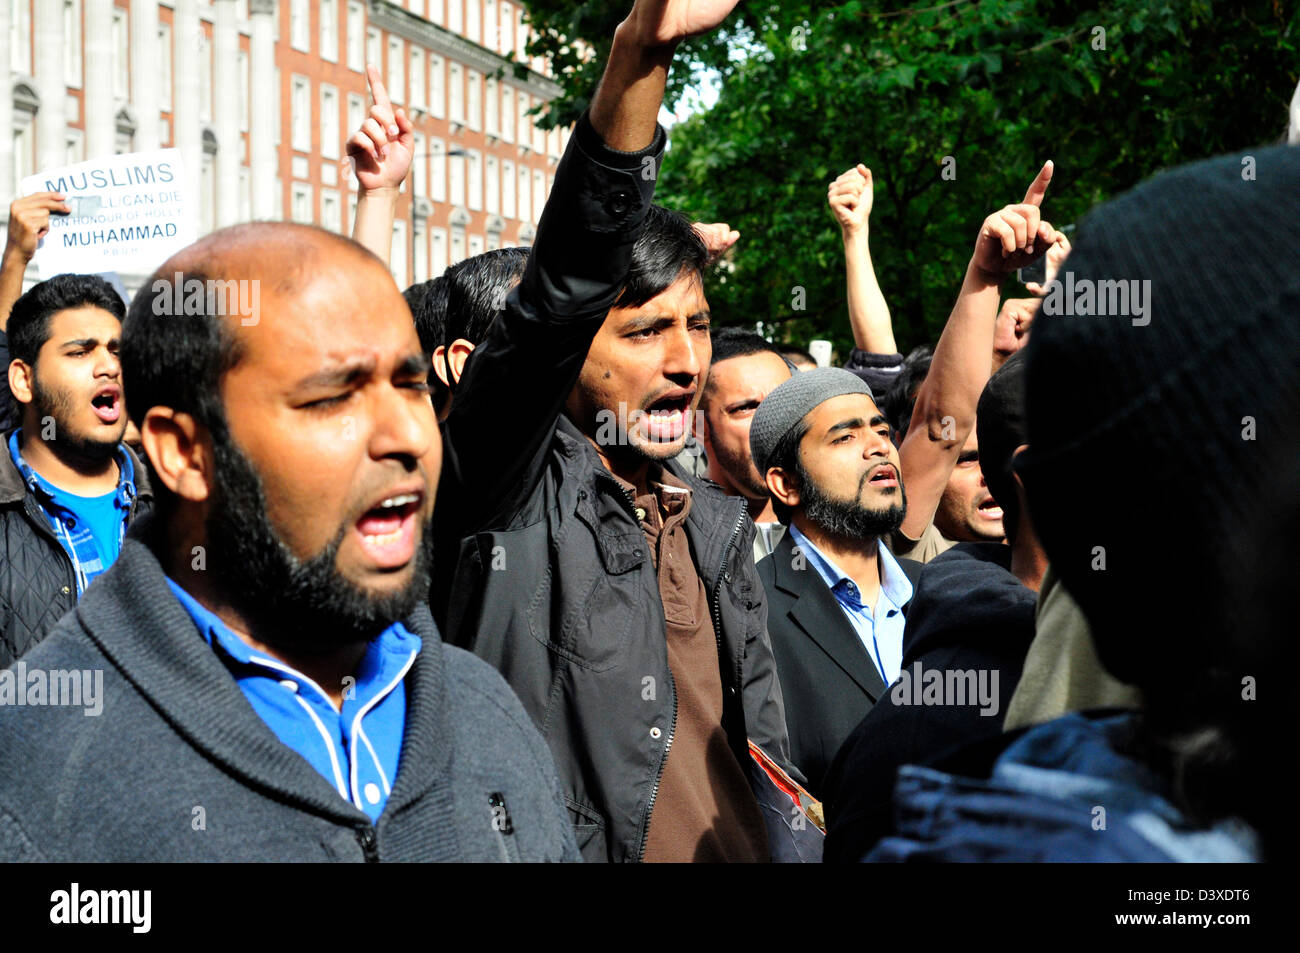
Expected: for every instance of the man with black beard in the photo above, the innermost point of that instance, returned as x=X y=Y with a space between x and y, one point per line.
x=68 y=485
x=837 y=598
x=270 y=682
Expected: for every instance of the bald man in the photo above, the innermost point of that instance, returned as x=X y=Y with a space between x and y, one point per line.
x=265 y=680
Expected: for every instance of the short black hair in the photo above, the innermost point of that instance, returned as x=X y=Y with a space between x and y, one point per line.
x=785 y=455
x=738 y=342
x=792 y=354
x=176 y=361
x=29 y=321
x=476 y=291
x=667 y=248
x=428 y=303
x=901 y=397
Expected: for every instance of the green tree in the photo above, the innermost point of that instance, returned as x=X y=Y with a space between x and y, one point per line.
x=1112 y=90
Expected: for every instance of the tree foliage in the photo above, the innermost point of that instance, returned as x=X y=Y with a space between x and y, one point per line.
x=1112 y=90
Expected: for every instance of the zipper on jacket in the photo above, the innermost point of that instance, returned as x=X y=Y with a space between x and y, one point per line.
x=717 y=593
x=369 y=841
x=504 y=827
x=659 y=775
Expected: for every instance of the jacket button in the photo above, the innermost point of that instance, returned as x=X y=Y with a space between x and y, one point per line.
x=655 y=732
x=66 y=590
x=726 y=576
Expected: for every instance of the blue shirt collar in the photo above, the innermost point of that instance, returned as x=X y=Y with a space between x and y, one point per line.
x=894 y=584
x=396 y=641
x=44 y=490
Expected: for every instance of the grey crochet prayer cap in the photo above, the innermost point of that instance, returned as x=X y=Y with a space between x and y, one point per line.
x=784 y=407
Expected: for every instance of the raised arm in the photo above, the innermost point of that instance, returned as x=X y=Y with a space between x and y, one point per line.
x=850 y=198
x=515 y=383
x=29 y=220
x=381 y=152
x=944 y=414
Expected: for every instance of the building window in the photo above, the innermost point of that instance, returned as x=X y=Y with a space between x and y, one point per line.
x=508 y=189
x=475 y=245
x=472 y=20
x=457 y=245
x=300 y=114
x=300 y=25
x=490 y=36
x=475 y=180
x=243 y=91
x=438 y=164
x=122 y=49
x=331 y=211
x=165 y=68
x=300 y=207
x=245 y=195
x=396 y=72
x=329 y=30
x=524 y=118
x=20 y=35
x=125 y=140
x=474 y=81
x=374 y=49
x=420 y=163
x=418 y=98
x=329 y=122
x=204 y=53
x=456 y=93
x=437 y=86
x=455 y=22
x=399 y=253
x=492 y=118
x=456 y=166
x=539 y=194
x=507 y=114
x=356 y=112
x=492 y=200
x=439 y=236
x=435 y=11
x=507 y=29
x=71 y=42
x=524 y=195
x=356 y=36
x=539 y=137
x=420 y=250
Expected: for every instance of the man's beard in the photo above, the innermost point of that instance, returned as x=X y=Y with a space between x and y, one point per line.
x=307 y=608
x=58 y=405
x=744 y=475
x=849 y=519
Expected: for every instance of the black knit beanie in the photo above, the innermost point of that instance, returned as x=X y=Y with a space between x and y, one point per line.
x=1148 y=428
x=1000 y=428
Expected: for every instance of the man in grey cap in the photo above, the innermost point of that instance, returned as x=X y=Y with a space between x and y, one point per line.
x=836 y=595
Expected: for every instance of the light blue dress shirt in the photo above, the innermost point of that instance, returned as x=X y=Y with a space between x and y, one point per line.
x=881 y=631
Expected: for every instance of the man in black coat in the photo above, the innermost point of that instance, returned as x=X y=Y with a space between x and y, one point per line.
x=836 y=596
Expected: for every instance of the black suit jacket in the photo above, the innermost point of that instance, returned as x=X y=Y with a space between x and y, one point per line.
x=827 y=678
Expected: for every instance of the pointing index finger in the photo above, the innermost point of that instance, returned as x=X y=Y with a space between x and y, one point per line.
x=378 y=92
x=1038 y=188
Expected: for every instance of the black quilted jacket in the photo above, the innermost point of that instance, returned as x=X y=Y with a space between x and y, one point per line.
x=37 y=582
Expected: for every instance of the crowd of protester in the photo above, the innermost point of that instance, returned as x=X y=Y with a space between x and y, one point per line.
x=530 y=562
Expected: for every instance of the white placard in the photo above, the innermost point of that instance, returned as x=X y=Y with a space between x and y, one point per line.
x=129 y=214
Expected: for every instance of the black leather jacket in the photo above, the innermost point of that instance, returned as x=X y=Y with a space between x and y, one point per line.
x=542 y=566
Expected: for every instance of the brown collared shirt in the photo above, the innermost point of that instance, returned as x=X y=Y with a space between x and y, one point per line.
x=705 y=810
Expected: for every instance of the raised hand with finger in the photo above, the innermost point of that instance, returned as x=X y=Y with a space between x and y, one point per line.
x=382 y=149
x=1015 y=235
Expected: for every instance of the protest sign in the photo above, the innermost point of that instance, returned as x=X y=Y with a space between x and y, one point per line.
x=129 y=214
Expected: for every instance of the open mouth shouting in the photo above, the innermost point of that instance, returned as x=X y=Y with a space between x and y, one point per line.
x=666 y=418
x=107 y=403
x=989 y=510
x=883 y=476
x=387 y=528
